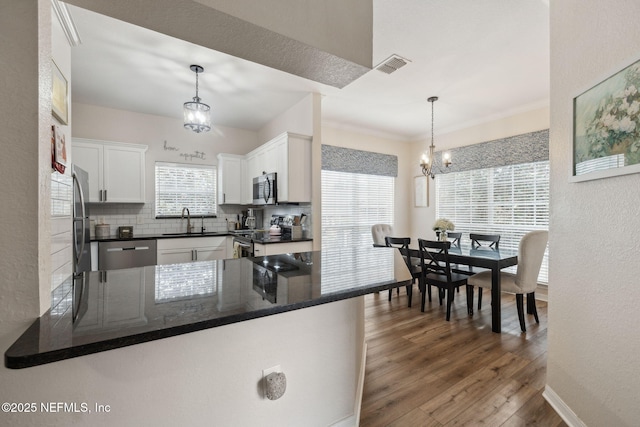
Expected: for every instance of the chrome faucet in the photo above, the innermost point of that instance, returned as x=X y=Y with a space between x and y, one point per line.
x=189 y=226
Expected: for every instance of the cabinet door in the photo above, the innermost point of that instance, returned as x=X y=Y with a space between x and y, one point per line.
x=282 y=168
x=124 y=174
x=270 y=159
x=259 y=250
x=229 y=180
x=210 y=253
x=89 y=158
x=174 y=256
x=251 y=171
x=210 y=248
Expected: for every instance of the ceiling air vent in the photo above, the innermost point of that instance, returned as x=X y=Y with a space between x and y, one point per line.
x=392 y=63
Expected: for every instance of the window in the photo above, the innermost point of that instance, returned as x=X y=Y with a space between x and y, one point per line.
x=351 y=204
x=505 y=200
x=185 y=186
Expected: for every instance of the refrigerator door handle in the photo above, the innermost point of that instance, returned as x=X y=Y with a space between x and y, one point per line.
x=84 y=219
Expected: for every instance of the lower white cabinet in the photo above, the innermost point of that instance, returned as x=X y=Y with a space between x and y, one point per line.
x=173 y=251
x=281 y=248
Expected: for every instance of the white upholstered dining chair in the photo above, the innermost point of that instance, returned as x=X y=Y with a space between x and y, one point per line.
x=530 y=253
x=379 y=232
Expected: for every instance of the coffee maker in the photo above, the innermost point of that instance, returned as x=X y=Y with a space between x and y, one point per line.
x=253 y=219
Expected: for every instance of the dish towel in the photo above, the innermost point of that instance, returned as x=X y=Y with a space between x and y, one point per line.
x=236 y=250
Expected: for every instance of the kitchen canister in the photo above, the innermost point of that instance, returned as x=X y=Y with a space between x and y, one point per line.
x=102 y=231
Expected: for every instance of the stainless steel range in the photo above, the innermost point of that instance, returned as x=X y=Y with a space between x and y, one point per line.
x=244 y=243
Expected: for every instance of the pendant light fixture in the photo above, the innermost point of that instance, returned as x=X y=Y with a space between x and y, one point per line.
x=427 y=160
x=196 y=113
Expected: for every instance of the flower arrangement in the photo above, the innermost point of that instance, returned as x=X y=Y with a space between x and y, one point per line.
x=443 y=224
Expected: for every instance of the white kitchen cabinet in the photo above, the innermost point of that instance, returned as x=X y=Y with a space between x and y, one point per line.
x=116 y=170
x=281 y=248
x=288 y=155
x=230 y=178
x=250 y=172
x=188 y=249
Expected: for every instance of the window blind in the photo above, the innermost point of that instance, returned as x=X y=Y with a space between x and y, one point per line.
x=506 y=200
x=351 y=204
x=185 y=186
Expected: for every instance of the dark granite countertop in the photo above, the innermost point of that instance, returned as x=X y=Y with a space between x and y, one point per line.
x=137 y=305
x=257 y=237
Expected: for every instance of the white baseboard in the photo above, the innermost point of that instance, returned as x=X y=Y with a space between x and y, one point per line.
x=562 y=408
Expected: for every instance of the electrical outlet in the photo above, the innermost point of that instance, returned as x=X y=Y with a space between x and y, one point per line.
x=139 y=220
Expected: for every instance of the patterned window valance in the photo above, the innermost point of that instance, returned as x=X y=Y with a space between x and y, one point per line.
x=526 y=148
x=342 y=159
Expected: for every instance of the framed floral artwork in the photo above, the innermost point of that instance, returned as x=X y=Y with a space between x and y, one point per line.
x=606 y=127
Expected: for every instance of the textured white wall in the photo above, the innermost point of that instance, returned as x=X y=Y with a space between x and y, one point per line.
x=297 y=119
x=207 y=378
x=594 y=228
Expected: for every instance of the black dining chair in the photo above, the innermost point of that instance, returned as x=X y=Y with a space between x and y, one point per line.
x=487 y=240
x=481 y=241
x=454 y=237
x=436 y=271
x=402 y=244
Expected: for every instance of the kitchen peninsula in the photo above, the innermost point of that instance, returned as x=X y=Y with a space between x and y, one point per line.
x=106 y=310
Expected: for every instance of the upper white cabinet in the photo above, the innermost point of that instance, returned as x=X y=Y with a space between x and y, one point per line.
x=293 y=154
x=289 y=155
x=230 y=167
x=116 y=170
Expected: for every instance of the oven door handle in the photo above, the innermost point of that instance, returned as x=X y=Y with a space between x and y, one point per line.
x=242 y=244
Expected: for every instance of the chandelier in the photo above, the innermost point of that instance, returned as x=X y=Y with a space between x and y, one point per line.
x=196 y=114
x=427 y=160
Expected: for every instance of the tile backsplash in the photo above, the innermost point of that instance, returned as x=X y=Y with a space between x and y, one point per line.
x=142 y=217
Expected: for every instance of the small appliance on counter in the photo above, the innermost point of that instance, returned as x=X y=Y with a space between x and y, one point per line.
x=252 y=219
x=291 y=231
x=125 y=232
x=103 y=231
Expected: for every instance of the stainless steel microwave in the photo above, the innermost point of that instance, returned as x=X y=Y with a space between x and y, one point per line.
x=265 y=189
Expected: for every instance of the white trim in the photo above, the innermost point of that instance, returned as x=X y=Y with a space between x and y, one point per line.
x=562 y=408
x=66 y=21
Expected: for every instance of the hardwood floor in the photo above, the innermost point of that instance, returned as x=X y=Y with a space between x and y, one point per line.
x=424 y=371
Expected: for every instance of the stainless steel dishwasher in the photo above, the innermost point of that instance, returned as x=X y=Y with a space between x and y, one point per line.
x=126 y=254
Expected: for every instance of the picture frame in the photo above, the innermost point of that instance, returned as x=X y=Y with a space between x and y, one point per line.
x=421 y=191
x=59 y=95
x=606 y=126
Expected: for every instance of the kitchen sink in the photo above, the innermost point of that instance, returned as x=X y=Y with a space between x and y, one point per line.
x=206 y=233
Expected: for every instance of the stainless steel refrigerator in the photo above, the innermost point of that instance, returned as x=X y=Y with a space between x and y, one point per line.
x=81 y=236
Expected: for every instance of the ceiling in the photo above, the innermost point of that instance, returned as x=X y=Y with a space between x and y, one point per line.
x=485 y=60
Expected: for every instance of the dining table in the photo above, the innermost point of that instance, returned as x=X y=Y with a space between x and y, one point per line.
x=486 y=258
